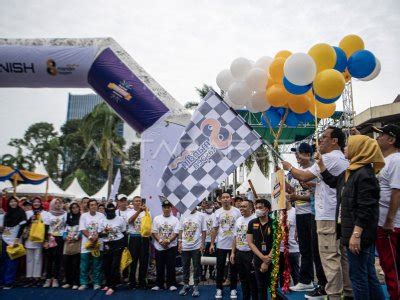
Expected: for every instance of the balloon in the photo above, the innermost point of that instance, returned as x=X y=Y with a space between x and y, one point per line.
x=329 y=84
x=300 y=69
x=239 y=93
x=230 y=103
x=283 y=54
x=291 y=119
x=324 y=56
x=341 y=59
x=323 y=110
x=270 y=82
x=299 y=104
x=277 y=95
x=326 y=101
x=346 y=75
x=225 y=79
x=264 y=62
x=307 y=117
x=351 y=43
x=361 y=64
x=273 y=116
x=258 y=102
x=276 y=69
x=257 y=79
x=374 y=73
x=240 y=66
x=295 y=89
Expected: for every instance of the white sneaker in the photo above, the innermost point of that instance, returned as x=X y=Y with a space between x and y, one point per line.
x=82 y=287
x=96 y=287
x=66 y=286
x=173 y=288
x=47 y=283
x=156 y=288
x=302 y=287
x=233 y=294
x=218 y=294
x=55 y=283
x=75 y=287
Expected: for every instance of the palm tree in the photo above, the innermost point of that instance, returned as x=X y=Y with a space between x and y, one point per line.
x=99 y=130
x=262 y=157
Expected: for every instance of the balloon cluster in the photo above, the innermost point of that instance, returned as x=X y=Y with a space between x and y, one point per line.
x=307 y=84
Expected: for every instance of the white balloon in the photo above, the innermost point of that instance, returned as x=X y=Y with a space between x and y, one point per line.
x=239 y=93
x=240 y=67
x=224 y=79
x=300 y=69
x=374 y=73
x=230 y=103
x=258 y=102
x=257 y=79
x=264 y=62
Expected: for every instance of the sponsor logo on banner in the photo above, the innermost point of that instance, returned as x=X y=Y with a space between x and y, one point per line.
x=218 y=138
x=120 y=91
x=17 y=67
x=54 y=70
x=278 y=195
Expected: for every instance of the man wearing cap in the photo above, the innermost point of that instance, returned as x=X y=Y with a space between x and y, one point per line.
x=165 y=230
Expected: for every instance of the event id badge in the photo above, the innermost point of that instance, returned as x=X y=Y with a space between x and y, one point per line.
x=263 y=247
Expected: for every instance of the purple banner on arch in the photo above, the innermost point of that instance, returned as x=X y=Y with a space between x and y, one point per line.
x=131 y=99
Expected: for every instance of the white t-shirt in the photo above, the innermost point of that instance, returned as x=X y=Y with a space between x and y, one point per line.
x=389 y=178
x=91 y=224
x=325 y=197
x=225 y=221
x=46 y=220
x=164 y=227
x=125 y=214
x=291 y=222
x=9 y=233
x=209 y=219
x=135 y=226
x=115 y=228
x=57 y=224
x=192 y=227
x=240 y=232
x=1 y=222
x=302 y=207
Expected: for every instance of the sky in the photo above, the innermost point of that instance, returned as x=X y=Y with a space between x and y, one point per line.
x=183 y=44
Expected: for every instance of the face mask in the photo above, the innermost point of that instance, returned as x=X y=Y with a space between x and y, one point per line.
x=110 y=214
x=260 y=213
x=209 y=210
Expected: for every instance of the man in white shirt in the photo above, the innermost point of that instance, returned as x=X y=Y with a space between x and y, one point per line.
x=224 y=224
x=209 y=216
x=241 y=255
x=165 y=231
x=192 y=235
x=333 y=255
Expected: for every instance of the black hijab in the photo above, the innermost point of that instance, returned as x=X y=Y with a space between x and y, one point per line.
x=14 y=216
x=110 y=211
x=73 y=219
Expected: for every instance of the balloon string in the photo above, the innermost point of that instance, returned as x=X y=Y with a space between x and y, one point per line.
x=316 y=121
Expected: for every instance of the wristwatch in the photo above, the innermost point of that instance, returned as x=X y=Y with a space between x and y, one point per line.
x=356 y=234
x=290 y=169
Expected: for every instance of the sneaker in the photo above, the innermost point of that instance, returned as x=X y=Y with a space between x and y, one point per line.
x=47 y=283
x=233 y=294
x=109 y=292
x=55 y=284
x=185 y=290
x=218 y=294
x=156 y=288
x=66 y=286
x=196 y=292
x=105 y=288
x=7 y=287
x=302 y=287
x=96 y=287
x=173 y=288
x=75 y=287
x=317 y=293
x=82 y=287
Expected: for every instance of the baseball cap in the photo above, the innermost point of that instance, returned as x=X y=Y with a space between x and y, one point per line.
x=165 y=202
x=390 y=129
x=303 y=148
x=121 y=197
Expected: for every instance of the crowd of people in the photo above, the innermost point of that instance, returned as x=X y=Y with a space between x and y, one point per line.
x=342 y=203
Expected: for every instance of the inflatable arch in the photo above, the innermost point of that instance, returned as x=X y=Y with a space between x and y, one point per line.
x=101 y=64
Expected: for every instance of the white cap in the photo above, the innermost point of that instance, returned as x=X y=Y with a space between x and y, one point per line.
x=122 y=196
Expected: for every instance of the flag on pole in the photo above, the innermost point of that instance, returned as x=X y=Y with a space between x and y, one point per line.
x=216 y=141
x=115 y=186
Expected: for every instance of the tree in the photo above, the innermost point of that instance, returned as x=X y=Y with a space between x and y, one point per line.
x=262 y=157
x=203 y=91
x=130 y=169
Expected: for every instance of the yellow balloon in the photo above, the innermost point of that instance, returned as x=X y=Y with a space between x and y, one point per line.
x=299 y=103
x=351 y=43
x=277 y=95
x=271 y=82
x=346 y=75
x=324 y=56
x=283 y=54
x=276 y=69
x=323 y=110
x=329 y=84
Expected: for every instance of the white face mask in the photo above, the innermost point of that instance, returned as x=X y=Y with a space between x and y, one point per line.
x=209 y=210
x=260 y=213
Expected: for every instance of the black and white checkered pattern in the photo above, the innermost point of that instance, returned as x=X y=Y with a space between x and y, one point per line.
x=186 y=188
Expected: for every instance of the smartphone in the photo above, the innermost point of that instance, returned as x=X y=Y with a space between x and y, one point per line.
x=143 y=200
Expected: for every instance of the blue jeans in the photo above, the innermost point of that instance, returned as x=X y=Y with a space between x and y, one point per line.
x=363 y=278
x=8 y=267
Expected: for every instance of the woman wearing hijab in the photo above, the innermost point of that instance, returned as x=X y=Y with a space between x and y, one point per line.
x=55 y=246
x=72 y=247
x=14 y=224
x=112 y=229
x=358 y=211
x=34 y=250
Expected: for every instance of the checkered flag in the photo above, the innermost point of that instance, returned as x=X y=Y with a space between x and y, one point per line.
x=216 y=141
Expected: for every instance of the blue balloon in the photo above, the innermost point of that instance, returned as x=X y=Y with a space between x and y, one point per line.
x=291 y=119
x=326 y=101
x=307 y=117
x=361 y=64
x=341 y=59
x=295 y=89
x=273 y=116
